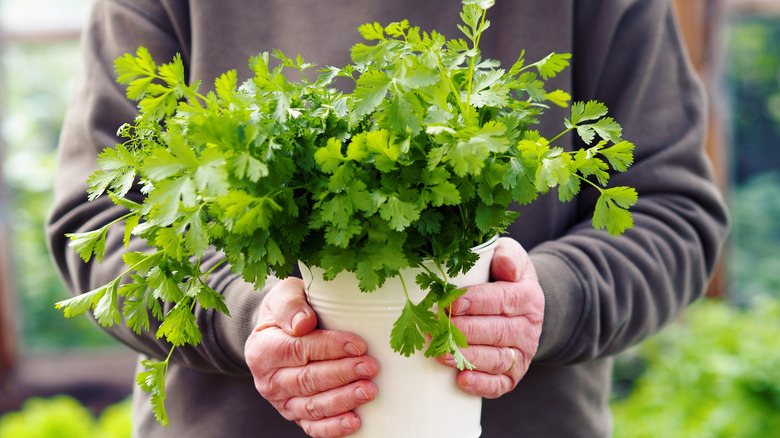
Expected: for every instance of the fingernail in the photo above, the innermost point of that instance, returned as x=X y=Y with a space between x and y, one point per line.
x=351 y=349
x=363 y=370
x=300 y=316
x=462 y=306
x=469 y=378
x=513 y=271
x=361 y=394
x=345 y=424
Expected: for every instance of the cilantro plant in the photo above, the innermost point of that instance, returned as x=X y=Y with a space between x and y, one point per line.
x=421 y=160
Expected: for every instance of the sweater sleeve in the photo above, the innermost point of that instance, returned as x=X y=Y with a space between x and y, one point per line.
x=97 y=109
x=607 y=293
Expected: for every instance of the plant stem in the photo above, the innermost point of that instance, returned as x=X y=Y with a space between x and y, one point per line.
x=471 y=67
x=562 y=134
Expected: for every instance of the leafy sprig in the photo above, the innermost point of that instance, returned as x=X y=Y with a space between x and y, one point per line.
x=422 y=160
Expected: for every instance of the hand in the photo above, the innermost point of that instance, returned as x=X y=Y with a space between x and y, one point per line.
x=313 y=377
x=502 y=321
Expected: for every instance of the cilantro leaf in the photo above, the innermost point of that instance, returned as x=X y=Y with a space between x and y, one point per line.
x=153 y=381
x=179 y=326
x=370 y=91
x=89 y=243
x=552 y=64
x=399 y=214
x=585 y=111
x=620 y=156
x=410 y=330
x=612 y=210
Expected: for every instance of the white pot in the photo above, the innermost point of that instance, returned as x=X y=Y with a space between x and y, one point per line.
x=417 y=396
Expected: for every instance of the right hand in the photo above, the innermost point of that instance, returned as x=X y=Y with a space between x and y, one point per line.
x=312 y=377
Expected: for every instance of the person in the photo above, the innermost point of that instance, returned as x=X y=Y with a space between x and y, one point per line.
x=563 y=299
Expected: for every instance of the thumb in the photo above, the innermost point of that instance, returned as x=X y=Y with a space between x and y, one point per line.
x=285 y=306
x=509 y=260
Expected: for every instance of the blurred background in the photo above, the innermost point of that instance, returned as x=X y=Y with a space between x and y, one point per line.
x=714 y=373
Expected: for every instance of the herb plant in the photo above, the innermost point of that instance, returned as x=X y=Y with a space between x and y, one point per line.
x=420 y=161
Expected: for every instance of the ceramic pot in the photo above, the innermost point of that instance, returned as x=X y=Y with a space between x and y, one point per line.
x=417 y=396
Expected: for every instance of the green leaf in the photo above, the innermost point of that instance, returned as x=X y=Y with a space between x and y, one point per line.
x=89 y=243
x=210 y=177
x=329 y=157
x=164 y=202
x=130 y=67
x=403 y=114
x=399 y=214
x=153 y=381
x=207 y=297
x=165 y=286
x=449 y=340
x=247 y=166
x=130 y=224
x=372 y=31
x=586 y=162
x=568 y=190
x=553 y=170
x=338 y=210
x=384 y=149
x=171 y=244
x=612 y=210
x=225 y=85
x=620 y=156
x=161 y=165
x=552 y=64
x=116 y=158
x=469 y=157
x=482 y=4
x=179 y=327
x=445 y=193
x=397 y=28
x=608 y=129
x=244 y=213
x=370 y=91
x=136 y=314
x=559 y=97
x=489 y=218
x=583 y=112
x=107 y=308
x=411 y=329
x=82 y=303
x=196 y=240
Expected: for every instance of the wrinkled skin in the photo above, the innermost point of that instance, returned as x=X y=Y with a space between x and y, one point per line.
x=316 y=377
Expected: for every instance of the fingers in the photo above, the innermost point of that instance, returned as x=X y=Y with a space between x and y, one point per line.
x=510 y=261
x=485 y=385
x=341 y=425
x=491 y=360
x=502 y=321
x=318 y=377
x=330 y=403
x=501 y=298
x=499 y=331
x=313 y=377
x=285 y=306
x=497 y=370
x=274 y=348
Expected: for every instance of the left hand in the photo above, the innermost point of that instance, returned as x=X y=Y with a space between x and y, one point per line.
x=502 y=321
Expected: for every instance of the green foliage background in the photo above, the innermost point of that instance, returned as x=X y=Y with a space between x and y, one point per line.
x=65 y=417
x=34 y=105
x=716 y=374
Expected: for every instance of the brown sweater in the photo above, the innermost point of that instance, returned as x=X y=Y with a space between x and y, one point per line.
x=603 y=294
